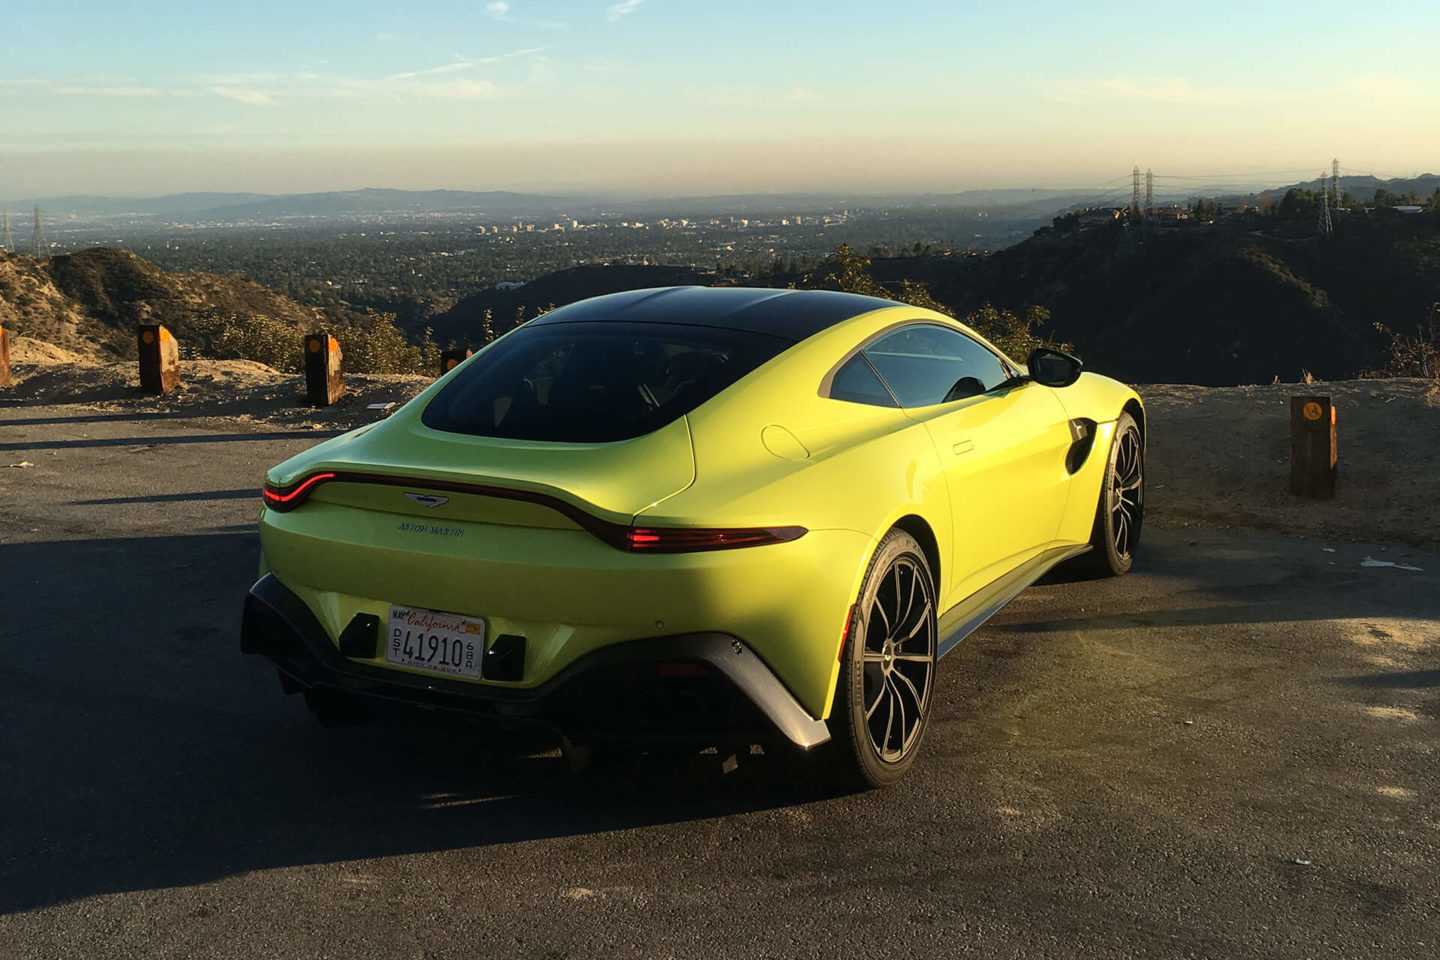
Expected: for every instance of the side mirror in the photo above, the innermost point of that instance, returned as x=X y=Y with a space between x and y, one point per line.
x=1052 y=368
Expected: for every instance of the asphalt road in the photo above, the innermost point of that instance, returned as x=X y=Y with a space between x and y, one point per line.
x=1230 y=753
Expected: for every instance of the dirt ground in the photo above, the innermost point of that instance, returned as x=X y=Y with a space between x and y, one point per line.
x=1218 y=456
x=238 y=394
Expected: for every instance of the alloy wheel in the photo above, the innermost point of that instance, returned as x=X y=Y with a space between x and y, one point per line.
x=899 y=659
x=1127 y=480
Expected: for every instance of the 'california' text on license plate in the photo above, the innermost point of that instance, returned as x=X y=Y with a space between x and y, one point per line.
x=439 y=642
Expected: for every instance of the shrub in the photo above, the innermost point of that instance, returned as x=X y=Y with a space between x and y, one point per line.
x=1014 y=333
x=260 y=338
x=1413 y=356
x=370 y=345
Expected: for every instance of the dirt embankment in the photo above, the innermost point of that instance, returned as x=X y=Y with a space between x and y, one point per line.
x=1221 y=457
x=241 y=393
x=1218 y=456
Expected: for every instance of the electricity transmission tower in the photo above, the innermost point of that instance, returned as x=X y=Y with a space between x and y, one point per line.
x=1135 y=193
x=39 y=235
x=9 y=243
x=1323 y=227
x=1150 y=193
x=1335 y=181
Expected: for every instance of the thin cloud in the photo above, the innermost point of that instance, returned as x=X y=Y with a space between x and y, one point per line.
x=499 y=10
x=1179 y=91
x=102 y=91
x=1174 y=90
x=445 y=68
x=445 y=81
x=625 y=7
x=454 y=90
x=466 y=63
x=244 y=95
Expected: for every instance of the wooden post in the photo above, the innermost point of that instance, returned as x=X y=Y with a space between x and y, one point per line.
x=159 y=358
x=1312 y=447
x=324 y=379
x=4 y=357
x=450 y=359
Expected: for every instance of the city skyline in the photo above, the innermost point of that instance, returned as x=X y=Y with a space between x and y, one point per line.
x=658 y=97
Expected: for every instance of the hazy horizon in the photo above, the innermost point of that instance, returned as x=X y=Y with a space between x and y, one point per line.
x=655 y=98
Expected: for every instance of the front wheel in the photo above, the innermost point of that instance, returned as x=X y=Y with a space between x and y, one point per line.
x=1115 y=533
x=887 y=669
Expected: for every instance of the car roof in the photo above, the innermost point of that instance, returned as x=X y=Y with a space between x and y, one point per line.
x=791 y=314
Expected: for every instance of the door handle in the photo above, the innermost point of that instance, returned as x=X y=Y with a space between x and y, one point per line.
x=964 y=446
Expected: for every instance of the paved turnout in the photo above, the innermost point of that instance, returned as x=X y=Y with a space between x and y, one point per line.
x=1230 y=753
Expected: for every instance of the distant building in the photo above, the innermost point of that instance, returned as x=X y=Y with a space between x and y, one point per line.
x=1407 y=208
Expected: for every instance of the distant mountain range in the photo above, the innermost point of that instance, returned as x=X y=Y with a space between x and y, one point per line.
x=1362 y=187
x=1013 y=203
x=232 y=207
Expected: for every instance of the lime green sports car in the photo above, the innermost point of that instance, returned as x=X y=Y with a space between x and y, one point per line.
x=695 y=514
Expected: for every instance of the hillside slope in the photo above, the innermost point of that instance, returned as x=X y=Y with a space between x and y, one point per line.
x=90 y=301
x=1241 y=301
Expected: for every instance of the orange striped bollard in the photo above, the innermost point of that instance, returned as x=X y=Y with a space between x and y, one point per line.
x=450 y=359
x=159 y=358
x=324 y=378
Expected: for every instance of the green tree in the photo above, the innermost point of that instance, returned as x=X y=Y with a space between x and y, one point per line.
x=1014 y=333
x=1385 y=198
x=1299 y=204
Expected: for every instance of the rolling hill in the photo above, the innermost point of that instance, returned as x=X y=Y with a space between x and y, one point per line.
x=90 y=301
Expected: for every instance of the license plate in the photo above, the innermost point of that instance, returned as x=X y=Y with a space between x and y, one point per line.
x=436 y=642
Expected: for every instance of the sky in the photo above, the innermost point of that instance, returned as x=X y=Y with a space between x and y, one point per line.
x=683 y=97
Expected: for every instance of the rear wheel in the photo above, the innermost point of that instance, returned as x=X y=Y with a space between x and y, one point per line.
x=887 y=669
x=1121 y=509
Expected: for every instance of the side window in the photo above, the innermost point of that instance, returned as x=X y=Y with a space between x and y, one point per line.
x=857 y=383
x=924 y=364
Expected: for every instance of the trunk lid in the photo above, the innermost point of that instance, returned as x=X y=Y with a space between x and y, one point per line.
x=611 y=481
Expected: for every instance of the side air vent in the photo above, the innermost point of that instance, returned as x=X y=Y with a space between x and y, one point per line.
x=1082 y=440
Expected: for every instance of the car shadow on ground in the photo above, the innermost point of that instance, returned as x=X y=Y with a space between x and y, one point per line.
x=142 y=750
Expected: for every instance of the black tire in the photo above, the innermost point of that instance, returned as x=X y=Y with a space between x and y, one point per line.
x=882 y=677
x=1120 y=512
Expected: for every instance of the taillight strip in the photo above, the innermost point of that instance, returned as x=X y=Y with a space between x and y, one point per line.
x=631 y=539
x=288 y=498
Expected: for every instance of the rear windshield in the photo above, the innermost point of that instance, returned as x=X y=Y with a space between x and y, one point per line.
x=594 y=382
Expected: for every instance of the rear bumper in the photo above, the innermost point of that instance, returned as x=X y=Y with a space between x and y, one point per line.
x=624 y=690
